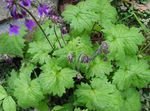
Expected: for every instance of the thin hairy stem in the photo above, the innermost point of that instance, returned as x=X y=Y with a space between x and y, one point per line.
x=63 y=38
x=57 y=37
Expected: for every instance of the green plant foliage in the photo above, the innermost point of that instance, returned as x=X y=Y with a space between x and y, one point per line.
x=39 y=51
x=3 y=93
x=122 y=41
x=87 y=13
x=132 y=74
x=42 y=107
x=107 y=14
x=65 y=107
x=131 y=100
x=9 y=104
x=76 y=47
x=76 y=74
x=78 y=109
x=99 y=68
x=76 y=16
x=27 y=92
x=55 y=79
x=11 y=45
x=99 y=95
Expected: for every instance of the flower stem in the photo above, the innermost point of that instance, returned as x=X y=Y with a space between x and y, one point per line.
x=57 y=37
x=63 y=38
x=37 y=24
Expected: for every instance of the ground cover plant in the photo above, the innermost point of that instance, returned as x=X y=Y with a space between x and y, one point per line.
x=83 y=60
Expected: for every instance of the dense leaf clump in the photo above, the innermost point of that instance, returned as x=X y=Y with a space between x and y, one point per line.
x=77 y=74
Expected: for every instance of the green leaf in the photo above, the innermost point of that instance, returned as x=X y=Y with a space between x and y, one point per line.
x=28 y=94
x=55 y=80
x=78 y=109
x=42 y=107
x=3 y=93
x=134 y=73
x=122 y=41
x=58 y=108
x=9 y=104
x=85 y=14
x=99 y=95
x=131 y=100
x=24 y=73
x=107 y=14
x=99 y=68
x=77 y=16
x=11 y=81
x=65 y=107
x=39 y=51
x=26 y=70
x=11 y=45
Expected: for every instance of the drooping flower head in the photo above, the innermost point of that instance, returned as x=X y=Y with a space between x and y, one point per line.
x=85 y=59
x=14 y=9
x=30 y=24
x=64 y=30
x=14 y=29
x=70 y=57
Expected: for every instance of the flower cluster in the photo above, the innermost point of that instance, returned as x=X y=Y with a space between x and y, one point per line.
x=14 y=7
x=17 y=11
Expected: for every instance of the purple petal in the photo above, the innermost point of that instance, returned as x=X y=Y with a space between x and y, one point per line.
x=26 y=3
x=13 y=11
x=10 y=3
x=40 y=10
x=14 y=29
x=30 y=24
x=43 y=9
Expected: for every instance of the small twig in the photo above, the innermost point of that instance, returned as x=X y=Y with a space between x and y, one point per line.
x=98 y=51
x=144 y=48
x=126 y=17
x=141 y=24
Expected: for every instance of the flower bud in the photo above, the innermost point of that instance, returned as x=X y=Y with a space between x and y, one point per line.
x=70 y=57
x=104 y=47
x=64 y=30
x=85 y=59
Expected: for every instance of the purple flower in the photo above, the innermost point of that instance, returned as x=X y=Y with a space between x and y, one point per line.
x=64 y=30
x=14 y=29
x=30 y=24
x=43 y=9
x=26 y=3
x=85 y=59
x=10 y=3
x=56 y=19
x=13 y=12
